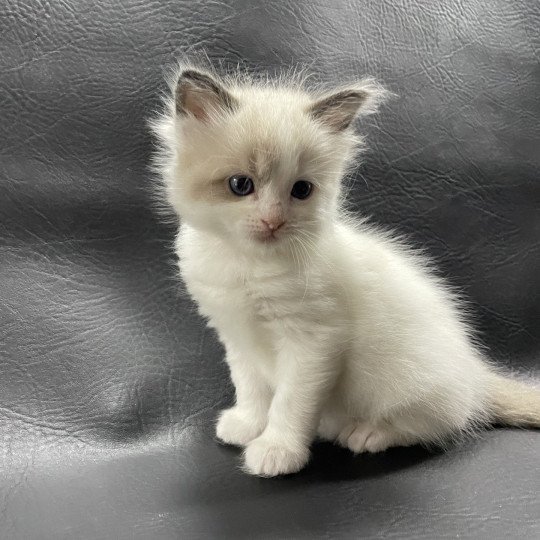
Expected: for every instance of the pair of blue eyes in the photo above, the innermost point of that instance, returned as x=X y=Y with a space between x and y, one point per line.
x=242 y=185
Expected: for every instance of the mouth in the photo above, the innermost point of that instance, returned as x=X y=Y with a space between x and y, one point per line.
x=267 y=238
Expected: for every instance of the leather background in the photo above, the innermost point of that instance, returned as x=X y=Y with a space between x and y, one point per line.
x=109 y=382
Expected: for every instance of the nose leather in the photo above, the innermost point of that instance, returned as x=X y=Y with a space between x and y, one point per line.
x=273 y=225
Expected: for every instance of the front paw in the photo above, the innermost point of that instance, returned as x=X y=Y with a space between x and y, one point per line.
x=269 y=457
x=237 y=426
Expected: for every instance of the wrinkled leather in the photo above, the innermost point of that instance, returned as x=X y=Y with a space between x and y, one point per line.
x=109 y=382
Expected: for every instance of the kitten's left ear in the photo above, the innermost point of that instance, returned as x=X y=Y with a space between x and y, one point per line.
x=200 y=95
x=338 y=109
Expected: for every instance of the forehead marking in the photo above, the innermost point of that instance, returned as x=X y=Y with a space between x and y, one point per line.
x=263 y=161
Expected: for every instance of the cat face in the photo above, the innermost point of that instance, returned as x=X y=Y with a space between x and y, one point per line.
x=260 y=166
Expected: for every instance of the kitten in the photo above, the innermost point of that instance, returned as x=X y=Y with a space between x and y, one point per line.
x=331 y=328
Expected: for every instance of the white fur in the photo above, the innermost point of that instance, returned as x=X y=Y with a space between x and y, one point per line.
x=337 y=329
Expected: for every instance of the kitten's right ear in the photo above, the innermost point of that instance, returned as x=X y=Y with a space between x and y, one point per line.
x=200 y=95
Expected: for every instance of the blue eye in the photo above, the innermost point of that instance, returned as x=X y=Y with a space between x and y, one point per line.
x=302 y=189
x=241 y=185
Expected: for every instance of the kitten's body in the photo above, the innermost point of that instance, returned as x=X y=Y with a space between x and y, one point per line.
x=334 y=327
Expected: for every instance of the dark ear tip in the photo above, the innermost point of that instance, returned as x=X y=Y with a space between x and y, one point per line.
x=188 y=74
x=355 y=93
x=194 y=76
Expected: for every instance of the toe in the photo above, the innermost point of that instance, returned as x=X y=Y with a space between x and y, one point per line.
x=358 y=438
x=378 y=441
x=355 y=435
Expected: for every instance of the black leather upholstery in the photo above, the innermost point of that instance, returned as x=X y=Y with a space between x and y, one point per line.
x=109 y=382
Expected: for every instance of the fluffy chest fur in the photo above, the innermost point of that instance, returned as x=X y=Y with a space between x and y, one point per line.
x=268 y=295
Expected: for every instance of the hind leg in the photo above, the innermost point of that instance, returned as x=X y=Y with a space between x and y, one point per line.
x=360 y=436
x=405 y=427
x=369 y=437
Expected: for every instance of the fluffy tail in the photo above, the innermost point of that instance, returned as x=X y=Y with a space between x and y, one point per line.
x=514 y=402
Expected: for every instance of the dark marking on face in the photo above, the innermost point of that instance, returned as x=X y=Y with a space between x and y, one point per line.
x=262 y=161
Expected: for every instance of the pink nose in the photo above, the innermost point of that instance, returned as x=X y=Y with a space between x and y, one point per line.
x=273 y=224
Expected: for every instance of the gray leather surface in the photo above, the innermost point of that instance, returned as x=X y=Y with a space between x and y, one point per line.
x=109 y=383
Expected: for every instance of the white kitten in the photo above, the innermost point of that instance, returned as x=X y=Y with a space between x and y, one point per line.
x=331 y=327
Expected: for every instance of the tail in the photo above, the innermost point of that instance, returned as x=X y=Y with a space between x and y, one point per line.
x=514 y=402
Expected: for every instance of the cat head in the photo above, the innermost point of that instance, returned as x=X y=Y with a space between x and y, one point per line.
x=259 y=164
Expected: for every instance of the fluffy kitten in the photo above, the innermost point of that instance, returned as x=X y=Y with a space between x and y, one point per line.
x=331 y=327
